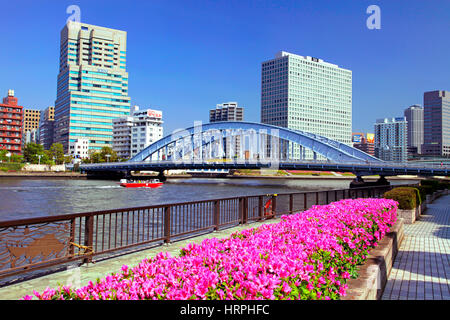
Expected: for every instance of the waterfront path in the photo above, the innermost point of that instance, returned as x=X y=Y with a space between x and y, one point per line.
x=421 y=270
x=80 y=276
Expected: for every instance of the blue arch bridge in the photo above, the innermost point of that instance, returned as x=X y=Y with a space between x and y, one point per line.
x=245 y=145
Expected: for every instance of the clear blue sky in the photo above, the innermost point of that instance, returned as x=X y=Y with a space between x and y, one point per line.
x=184 y=57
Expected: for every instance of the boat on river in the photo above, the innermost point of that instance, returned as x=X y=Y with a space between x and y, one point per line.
x=153 y=183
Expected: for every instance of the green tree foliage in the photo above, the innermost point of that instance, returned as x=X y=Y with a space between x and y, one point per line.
x=57 y=153
x=33 y=151
x=106 y=154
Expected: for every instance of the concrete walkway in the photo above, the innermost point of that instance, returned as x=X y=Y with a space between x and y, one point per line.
x=80 y=276
x=421 y=269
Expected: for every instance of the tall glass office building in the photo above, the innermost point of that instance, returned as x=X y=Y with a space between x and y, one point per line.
x=92 y=84
x=308 y=94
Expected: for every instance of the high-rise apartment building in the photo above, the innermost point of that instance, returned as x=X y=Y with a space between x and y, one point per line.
x=147 y=128
x=122 y=136
x=46 y=127
x=30 y=126
x=436 y=105
x=11 y=124
x=228 y=111
x=391 y=139
x=308 y=94
x=92 y=84
x=414 y=118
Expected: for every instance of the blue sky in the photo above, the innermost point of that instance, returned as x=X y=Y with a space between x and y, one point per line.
x=184 y=57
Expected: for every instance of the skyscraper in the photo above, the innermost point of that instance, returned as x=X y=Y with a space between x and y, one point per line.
x=414 y=118
x=436 y=123
x=92 y=84
x=308 y=94
x=390 y=139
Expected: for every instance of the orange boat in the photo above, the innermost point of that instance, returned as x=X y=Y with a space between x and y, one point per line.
x=154 y=183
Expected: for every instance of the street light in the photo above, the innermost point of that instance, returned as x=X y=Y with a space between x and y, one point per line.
x=39 y=156
x=9 y=156
x=107 y=157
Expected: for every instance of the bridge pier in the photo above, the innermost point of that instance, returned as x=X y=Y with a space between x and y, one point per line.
x=161 y=176
x=359 y=182
x=106 y=175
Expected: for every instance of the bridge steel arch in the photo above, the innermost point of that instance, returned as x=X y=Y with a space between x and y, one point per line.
x=330 y=149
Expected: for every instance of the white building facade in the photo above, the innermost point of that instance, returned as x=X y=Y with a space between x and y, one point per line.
x=79 y=148
x=307 y=94
x=132 y=134
x=147 y=128
x=122 y=136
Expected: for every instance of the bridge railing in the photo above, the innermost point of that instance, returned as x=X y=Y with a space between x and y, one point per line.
x=28 y=245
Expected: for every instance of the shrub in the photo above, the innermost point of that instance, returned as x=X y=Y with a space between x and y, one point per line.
x=7 y=166
x=430 y=182
x=407 y=197
x=423 y=191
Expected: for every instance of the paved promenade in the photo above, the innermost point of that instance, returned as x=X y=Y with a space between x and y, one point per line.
x=421 y=269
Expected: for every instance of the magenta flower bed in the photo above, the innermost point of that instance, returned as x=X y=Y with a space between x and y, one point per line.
x=309 y=255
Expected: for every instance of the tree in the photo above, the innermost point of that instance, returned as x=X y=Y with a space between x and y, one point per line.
x=3 y=154
x=106 y=154
x=57 y=153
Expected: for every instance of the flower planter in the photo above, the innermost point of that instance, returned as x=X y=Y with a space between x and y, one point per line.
x=373 y=274
x=409 y=216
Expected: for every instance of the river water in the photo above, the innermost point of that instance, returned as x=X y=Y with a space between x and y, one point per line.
x=26 y=198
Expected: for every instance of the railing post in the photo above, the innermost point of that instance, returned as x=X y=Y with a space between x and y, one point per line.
x=245 y=210
x=241 y=210
x=305 y=201
x=317 y=197
x=274 y=204
x=167 y=224
x=260 y=207
x=291 y=203
x=216 y=215
x=327 y=200
x=72 y=236
x=89 y=236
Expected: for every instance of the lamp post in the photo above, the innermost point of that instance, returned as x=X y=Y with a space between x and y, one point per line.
x=39 y=156
x=9 y=156
x=107 y=157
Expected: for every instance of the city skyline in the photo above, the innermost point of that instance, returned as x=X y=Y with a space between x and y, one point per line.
x=162 y=81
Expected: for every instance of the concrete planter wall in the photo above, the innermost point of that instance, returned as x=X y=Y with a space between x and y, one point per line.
x=423 y=207
x=409 y=215
x=373 y=274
